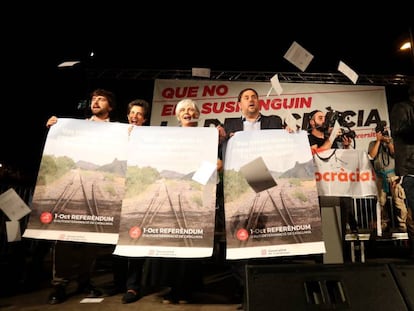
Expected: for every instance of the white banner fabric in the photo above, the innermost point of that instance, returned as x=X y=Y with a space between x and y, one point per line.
x=344 y=172
x=361 y=107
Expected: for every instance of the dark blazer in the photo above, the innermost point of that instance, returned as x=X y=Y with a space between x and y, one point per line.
x=232 y=125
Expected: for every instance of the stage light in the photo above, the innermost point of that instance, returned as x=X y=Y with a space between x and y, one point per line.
x=405 y=46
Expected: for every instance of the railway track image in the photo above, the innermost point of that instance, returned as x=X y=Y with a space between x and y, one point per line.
x=170 y=213
x=78 y=196
x=273 y=216
x=81 y=200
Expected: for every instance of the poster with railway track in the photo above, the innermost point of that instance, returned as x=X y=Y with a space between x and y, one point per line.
x=169 y=204
x=271 y=198
x=81 y=182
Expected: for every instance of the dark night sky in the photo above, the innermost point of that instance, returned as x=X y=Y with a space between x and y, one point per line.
x=244 y=38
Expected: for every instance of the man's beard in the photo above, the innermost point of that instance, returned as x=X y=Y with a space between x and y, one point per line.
x=100 y=113
x=320 y=128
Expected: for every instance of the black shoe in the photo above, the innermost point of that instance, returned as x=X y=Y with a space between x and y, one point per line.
x=58 y=295
x=111 y=290
x=181 y=298
x=93 y=292
x=90 y=291
x=169 y=299
x=130 y=296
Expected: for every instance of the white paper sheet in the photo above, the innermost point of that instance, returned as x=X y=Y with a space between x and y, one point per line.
x=12 y=205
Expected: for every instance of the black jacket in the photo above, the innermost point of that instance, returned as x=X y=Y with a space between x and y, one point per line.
x=232 y=125
x=402 y=131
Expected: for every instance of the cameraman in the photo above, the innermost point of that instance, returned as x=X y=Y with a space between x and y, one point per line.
x=318 y=136
x=381 y=153
x=320 y=132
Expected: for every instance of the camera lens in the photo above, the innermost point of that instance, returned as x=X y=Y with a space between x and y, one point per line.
x=350 y=134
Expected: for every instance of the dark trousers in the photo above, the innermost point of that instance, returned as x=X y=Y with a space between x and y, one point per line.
x=73 y=261
x=134 y=274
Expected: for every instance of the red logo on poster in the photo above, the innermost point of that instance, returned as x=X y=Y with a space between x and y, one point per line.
x=242 y=234
x=135 y=232
x=46 y=218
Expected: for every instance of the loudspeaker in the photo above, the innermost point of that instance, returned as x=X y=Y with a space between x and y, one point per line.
x=322 y=287
x=404 y=276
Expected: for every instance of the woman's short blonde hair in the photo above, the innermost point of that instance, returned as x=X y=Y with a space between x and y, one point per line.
x=184 y=104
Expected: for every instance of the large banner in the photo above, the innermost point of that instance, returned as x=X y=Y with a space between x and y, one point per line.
x=360 y=107
x=169 y=207
x=271 y=200
x=344 y=172
x=81 y=183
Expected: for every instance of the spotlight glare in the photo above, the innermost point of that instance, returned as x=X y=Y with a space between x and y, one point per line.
x=405 y=46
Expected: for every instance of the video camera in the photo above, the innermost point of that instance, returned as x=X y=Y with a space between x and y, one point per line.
x=331 y=117
x=381 y=128
x=347 y=133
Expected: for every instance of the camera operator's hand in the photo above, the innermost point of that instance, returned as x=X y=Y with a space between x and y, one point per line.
x=383 y=138
x=387 y=139
x=346 y=142
x=379 y=136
